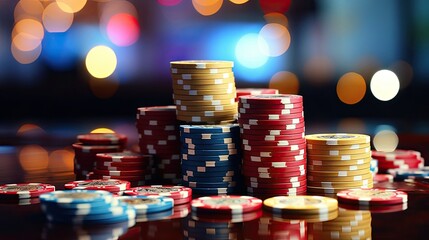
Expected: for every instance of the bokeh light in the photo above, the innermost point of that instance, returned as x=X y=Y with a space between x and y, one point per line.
x=61 y=161
x=55 y=19
x=384 y=85
x=33 y=158
x=207 y=7
x=239 y=1
x=275 y=17
x=247 y=51
x=28 y=9
x=385 y=141
x=404 y=71
x=284 y=81
x=25 y=57
x=102 y=130
x=351 y=88
x=276 y=37
x=71 y=6
x=123 y=29
x=269 y=6
x=103 y=88
x=318 y=70
x=101 y=61
x=29 y=129
x=169 y=3
x=27 y=34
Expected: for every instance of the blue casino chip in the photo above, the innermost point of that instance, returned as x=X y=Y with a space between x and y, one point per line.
x=210 y=184
x=198 y=129
x=400 y=174
x=209 y=152
x=211 y=163
x=188 y=140
x=225 y=146
x=236 y=157
x=208 y=179
x=228 y=173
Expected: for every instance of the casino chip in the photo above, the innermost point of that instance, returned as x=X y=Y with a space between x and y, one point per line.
x=180 y=194
x=20 y=191
x=204 y=91
x=85 y=207
x=112 y=185
x=148 y=204
x=159 y=136
x=254 y=91
x=230 y=204
x=398 y=159
x=298 y=205
x=274 y=147
x=267 y=227
x=372 y=196
x=338 y=161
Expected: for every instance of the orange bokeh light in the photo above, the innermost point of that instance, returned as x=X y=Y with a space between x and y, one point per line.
x=207 y=7
x=33 y=158
x=285 y=82
x=351 y=88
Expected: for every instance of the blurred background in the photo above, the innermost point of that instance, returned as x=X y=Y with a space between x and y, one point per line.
x=360 y=64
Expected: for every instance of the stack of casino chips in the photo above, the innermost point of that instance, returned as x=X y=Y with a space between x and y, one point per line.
x=204 y=91
x=85 y=207
x=254 y=91
x=159 y=136
x=89 y=145
x=338 y=161
x=274 y=146
x=111 y=185
x=211 y=158
x=23 y=193
x=350 y=224
x=180 y=194
x=214 y=217
x=398 y=159
x=128 y=166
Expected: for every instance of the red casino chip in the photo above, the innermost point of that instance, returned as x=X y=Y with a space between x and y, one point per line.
x=252 y=169
x=92 y=149
x=226 y=204
x=279 y=164
x=289 y=127
x=222 y=218
x=268 y=154
x=271 y=99
x=175 y=192
x=132 y=173
x=157 y=111
x=248 y=173
x=112 y=185
x=372 y=196
x=257 y=159
x=102 y=139
x=156 y=122
x=276 y=185
x=277 y=191
x=255 y=91
x=269 y=106
x=378 y=178
x=376 y=209
x=290 y=133
x=270 y=117
x=124 y=157
x=269 y=111
x=397 y=154
x=291 y=142
x=275 y=138
x=131 y=179
x=287 y=148
x=172 y=127
x=273 y=123
x=24 y=190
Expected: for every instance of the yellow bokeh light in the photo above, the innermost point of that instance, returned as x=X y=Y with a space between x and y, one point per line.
x=207 y=7
x=55 y=19
x=276 y=17
x=103 y=88
x=71 y=6
x=102 y=130
x=276 y=37
x=25 y=57
x=33 y=158
x=28 y=9
x=239 y=1
x=285 y=82
x=351 y=88
x=27 y=34
x=384 y=85
x=385 y=141
x=101 y=61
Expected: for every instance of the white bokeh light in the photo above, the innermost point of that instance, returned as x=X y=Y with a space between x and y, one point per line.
x=247 y=51
x=384 y=85
x=385 y=141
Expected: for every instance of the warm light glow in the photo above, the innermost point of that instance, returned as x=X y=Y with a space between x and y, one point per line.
x=384 y=85
x=71 y=6
x=386 y=141
x=275 y=17
x=33 y=158
x=102 y=130
x=404 y=71
x=285 y=82
x=318 y=70
x=61 y=160
x=29 y=128
x=25 y=57
x=101 y=61
x=169 y=3
x=239 y=1
x=103 y=88
x=29 y=9
x=55 y=19
x=247 y=51
x=276 y=37
x=269 y=6
x=27 y=34
x=351 y=88
x=123 y=29
x=207 y=7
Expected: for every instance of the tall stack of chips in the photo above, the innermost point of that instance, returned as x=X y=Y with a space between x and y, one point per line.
x=273 y=135
x=338 y=161
x=204 y=91
x=159 y=136
x=211 y=158
x=89 y=145
x=254 y=91
x=398 y=159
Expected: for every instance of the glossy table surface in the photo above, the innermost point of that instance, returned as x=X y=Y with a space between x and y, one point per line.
x=50 y=160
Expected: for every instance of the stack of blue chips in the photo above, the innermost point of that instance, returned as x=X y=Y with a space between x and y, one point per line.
x=85 y=207
x=150 y=208
x=211 y=158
